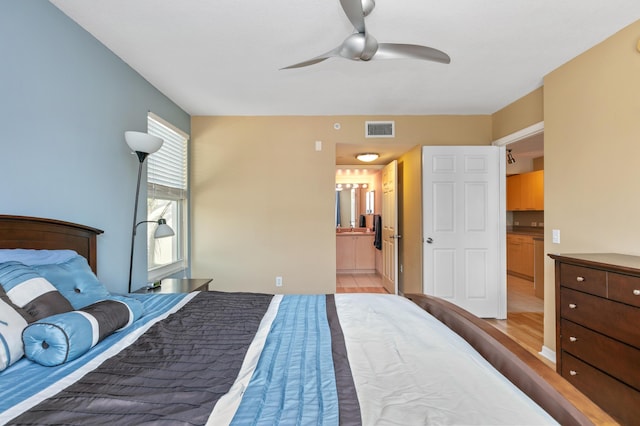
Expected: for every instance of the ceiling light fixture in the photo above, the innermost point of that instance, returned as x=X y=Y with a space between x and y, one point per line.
x=368 y=157
x=510 y=158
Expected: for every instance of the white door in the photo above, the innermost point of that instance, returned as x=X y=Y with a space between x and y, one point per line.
x=465 y=227
x=390 y=227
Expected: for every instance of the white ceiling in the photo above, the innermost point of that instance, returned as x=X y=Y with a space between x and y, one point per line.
x=222 y=57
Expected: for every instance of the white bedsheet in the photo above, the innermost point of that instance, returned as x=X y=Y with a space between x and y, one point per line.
x=409 y=369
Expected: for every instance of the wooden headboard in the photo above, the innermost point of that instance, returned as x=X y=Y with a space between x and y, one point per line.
x=38 y=233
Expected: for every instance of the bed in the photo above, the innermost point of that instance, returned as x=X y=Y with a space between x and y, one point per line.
x=244 y=358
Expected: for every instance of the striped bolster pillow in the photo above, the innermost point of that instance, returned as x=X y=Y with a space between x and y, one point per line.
x=12 y=322
x=30 y=291
x=64 y=337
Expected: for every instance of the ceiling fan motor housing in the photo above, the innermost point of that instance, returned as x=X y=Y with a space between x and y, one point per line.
x=359 y=46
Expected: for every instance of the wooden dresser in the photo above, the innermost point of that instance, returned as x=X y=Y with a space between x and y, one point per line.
x=598 y=329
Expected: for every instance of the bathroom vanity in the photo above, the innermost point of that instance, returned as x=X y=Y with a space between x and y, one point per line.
x=355 y=252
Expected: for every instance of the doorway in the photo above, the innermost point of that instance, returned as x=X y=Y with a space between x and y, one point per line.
x=525 y=266
x=358 y=202
x=525 y=226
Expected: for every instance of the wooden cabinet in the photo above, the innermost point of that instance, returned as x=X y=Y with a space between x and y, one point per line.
x=513 y=192
x=525 y=191
x=520 y=256
x=597 y=333
x=355 y=253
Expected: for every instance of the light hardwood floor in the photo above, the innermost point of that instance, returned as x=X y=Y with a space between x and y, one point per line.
x=524 y=322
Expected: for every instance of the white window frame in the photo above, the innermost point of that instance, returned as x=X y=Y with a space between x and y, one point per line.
x=181 y=195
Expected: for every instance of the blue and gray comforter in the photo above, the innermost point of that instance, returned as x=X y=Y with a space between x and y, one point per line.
x=178 y=369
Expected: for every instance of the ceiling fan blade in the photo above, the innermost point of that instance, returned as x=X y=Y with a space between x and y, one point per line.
x=330 y=54
x=355 y=13
x=414 y=51
x=306 y=63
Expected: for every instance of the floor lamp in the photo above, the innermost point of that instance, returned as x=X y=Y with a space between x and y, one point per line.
x=143 y=144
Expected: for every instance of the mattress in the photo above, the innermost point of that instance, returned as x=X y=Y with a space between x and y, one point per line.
x=243 y=358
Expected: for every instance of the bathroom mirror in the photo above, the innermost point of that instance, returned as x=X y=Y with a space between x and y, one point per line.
x=352 y=202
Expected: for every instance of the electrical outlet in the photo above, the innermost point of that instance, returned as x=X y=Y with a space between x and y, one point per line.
x=278 y=281
x=534 y=224
x=516 y=223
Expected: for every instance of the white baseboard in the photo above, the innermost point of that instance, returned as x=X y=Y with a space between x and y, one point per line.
x=548 y=353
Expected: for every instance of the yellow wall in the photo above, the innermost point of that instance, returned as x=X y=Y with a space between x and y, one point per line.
x=410 y=221
x=263 y=198
x=519 y=115
x=263 y=203
x=411 y=130
x=592 y=152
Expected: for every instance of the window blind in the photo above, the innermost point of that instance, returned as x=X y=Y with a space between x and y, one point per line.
x=167 y=168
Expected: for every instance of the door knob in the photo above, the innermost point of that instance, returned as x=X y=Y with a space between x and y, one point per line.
x=429 y=240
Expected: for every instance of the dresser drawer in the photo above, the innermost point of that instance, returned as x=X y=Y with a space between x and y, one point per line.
x=624 y=288
x=589 y=280
x=614 y=319
x=616 y=398
x=617 y=359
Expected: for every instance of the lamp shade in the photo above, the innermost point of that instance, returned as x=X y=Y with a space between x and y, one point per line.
x=142 y=142
x=163 y=230
x=367 y=157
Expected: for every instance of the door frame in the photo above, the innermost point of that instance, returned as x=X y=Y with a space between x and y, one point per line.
x=532 y=130
x=529 y=131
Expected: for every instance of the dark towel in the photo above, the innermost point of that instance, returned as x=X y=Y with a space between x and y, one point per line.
x=377 y=229
x=363 y=222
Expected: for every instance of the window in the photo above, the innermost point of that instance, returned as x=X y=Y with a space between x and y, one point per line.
x=167 y=198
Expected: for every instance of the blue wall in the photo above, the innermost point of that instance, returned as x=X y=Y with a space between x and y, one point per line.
x=65 y=103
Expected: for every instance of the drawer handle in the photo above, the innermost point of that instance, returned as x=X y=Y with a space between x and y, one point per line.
x=572 y=305
x=573 y=339
x=636 y=292
x=580 y=279
x=573 y=372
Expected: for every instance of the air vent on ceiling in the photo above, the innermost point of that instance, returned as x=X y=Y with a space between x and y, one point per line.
x=380 y=129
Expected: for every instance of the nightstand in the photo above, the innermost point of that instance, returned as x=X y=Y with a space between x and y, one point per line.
x=179 y=285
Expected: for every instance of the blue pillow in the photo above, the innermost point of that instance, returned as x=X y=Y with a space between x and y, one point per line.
x=31 y=292
x=64 y=337
x=75 y=280
x=31 y=257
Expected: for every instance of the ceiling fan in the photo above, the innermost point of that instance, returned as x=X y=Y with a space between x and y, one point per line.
x=363 y=46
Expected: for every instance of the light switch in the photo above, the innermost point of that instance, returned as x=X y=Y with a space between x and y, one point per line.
x=318 y=145
x=555 y=236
